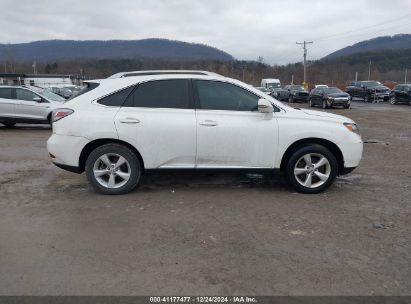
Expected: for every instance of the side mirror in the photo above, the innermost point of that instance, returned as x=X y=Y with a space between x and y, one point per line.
x=264 y=106
x=37 y=99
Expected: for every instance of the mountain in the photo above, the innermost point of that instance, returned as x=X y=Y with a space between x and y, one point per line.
x=53 y=50
x=397 y=42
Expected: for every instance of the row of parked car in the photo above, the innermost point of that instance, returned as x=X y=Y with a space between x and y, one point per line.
x=326 y=97
x=31 y=104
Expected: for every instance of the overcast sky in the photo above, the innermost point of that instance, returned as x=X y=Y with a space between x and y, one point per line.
x=245 y=29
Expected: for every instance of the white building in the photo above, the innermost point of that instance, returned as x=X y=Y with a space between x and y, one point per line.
x=41 y=80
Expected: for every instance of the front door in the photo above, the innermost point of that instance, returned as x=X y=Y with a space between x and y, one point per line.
x=30 y=105
x=231 y=133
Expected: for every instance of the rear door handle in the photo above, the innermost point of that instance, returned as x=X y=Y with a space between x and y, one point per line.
x=129 y=120
x=209 y=123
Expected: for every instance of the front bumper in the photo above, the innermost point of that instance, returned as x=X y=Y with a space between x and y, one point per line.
x=339 y=101
x=352 y=149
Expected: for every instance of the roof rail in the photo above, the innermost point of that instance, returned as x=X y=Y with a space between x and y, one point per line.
x=161 y=72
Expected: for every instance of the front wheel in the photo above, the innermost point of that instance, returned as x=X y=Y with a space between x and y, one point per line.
x=393 y=101
x=324 y=104
x=367 y=98
x=311 y=169
x=310 y=102
x=113 y=169
x=290 y=98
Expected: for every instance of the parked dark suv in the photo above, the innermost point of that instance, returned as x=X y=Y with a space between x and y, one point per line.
x=329 y=97
x=369 y=90
x=401 y=94
x=293 y=93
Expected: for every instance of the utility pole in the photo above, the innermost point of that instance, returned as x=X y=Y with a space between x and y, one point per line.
x=369 y=70
x=356 y=76
x=305 y=58
x=34 y=67
x=405 y=77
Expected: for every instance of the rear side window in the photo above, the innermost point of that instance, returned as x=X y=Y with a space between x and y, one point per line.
x=116 y=99
x=170 y=93
x=5 y=93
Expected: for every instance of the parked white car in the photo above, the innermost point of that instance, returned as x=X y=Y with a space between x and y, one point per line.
x=21 y=104
x=125 y=125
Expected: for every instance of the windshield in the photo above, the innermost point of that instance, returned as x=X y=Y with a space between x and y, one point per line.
x=332 y=90
x=371 y=83
x=51 y=96
x=274 y=85
x=297 y=88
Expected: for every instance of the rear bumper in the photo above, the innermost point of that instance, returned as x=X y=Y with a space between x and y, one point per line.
x=69 y=168
x=65 y=150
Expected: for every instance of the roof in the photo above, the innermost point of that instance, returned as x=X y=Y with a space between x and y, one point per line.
x=162 y=72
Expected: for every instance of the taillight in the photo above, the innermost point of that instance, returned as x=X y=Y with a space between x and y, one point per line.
x=61 y=113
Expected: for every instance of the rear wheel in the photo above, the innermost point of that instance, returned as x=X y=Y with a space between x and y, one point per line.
x=393 y=100
x=311 y=169
x=113 y=169
x=9 y=124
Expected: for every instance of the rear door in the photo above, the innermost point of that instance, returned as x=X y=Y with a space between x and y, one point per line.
x=7 y=103
x=158 y=119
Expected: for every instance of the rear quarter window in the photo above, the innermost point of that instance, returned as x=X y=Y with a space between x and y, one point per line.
x=116 y=99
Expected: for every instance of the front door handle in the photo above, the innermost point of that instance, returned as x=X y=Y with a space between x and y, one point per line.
x=129 y=120
x=209 y=123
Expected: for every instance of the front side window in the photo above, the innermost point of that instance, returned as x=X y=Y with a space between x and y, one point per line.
x=25 y=95
x=170 y=93
x=215 y=95
x=5 y=93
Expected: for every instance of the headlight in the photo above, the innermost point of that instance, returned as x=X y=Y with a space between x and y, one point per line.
x=352 y=127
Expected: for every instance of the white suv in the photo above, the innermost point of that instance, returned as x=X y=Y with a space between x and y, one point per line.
x=132 y=122
x=23 y=104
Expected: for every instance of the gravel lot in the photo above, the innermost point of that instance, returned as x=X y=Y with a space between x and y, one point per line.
x=203 y=234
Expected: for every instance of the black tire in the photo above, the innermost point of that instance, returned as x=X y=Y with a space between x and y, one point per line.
x=367 y=98
x=296 y=156
x=347 y=106
x=290 y=98
x=9 y=124
x=324 y=104
x=121 y=150
x=393 y=100
x=310 y=102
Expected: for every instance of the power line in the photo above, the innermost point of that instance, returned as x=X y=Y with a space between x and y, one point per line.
x=362 y=29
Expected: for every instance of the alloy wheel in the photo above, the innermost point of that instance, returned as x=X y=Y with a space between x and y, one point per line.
x=112 y=170
x=312 y=170
x=392 y=100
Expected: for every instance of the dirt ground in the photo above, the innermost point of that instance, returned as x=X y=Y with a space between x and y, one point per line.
x=203 y=234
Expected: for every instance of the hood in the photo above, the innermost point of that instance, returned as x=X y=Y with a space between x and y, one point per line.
x=326 y=116
x=338 y=95
x=379 y=87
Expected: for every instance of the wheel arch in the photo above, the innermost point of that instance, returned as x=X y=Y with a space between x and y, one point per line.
x=102 y=141
x=314 y=141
